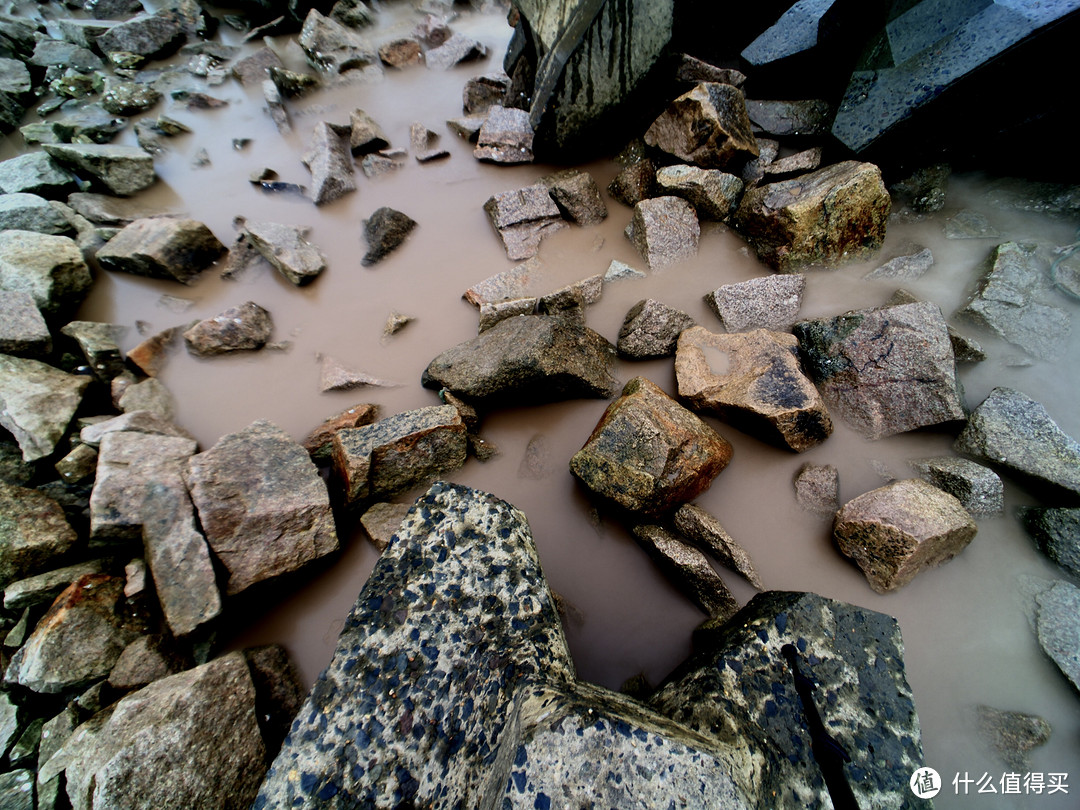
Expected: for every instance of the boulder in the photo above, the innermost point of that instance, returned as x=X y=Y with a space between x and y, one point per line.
x=769 y=302
x=149 y=36
x=243 y=328
x=23 y=331
x=689 y=571
x=905 y=268
x=664 y=230
x=458 y=48
x=1012 y=735
x=705 y=532
x=506 y=136
x=285 y=247
x=1014 y=431
x=966 y=350
x=886 y=370
x=754 y=381
x=319 y=442
x=35 y=173
x=120 y=170
x=37 y=402
x=330 y=164
x=261 y=504
x=485 y=91
x=385 y=231
x=1056 y=532
x=648 y=453
x=526 y=360
x=50 y=268
x=29 y=212
x=634 y=183
x=1008 y=302
x=364 y=134
x=522 y=218
x=651 y=329
x=34 y=533
x=977 y=487
x=398 y=452
x=713 y=193
x=707 y=127
x=98 y=344
x=826 y=217
x=1057 y=625
x=577 y=195
x=330 y=47
x=900 y=529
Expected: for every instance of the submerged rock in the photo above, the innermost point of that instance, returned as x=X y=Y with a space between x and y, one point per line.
x=49 y=268
x=285 y=247
x=770 y=302
x=651 y=329
x=483 y=92
x=906 y=268
x=506 y=136
x=336 y=376
x=522 y=218
x=328 y=160
x=424 y=143
x=1012 y=734
x=817 y=489
x=689 y=571
x=705 y=532
x=37 y=402
x=1056 y=531
x=385 y=231
x=243 y=328
x=977 y=487
x=664 y=230
x=707 y=126
x=120 y=170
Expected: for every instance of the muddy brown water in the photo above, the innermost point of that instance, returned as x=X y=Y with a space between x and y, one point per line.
x=967 y=637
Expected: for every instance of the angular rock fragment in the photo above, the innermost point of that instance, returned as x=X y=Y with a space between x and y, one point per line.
x=34 y=533
x=398 y=452
x=458 y=48
x=333 y=48
x=1012 y=734
x=35 y=173
x=261 y=504
x=381 y=522
x=132 y=422
x=707 y=126
x=275 y=106
x=522 y=218
x=51 y=269
x=577 y=195
x=243 y=328
x=1011 y=429
x=400 y=53
x=120 y=170
x=648 y=453
x=900 y=529
x=278 y=691
x=526 y=360
x=635 y=183
x=328 y=160
x=129 y=98
x=290 y=83
x=804 y=161
x=23 y=331
x=817 y=489
x=754 y=381
x=485 y=91
x=713 y=193
x=364 y=134
x=1057 y=624
x=385 y=230
x=695 y=71
x=105 y=209
x=143 y=661
x=664 y=230
x=252 y=70
x=966 y=350
x=42 y=589
x=619 y=271
x=689 y=571
x=78 y=465
x=770 y=302
x=886 y=370
x=423 y=142
x=318 y=442
x=285 y=247
x=335 y=376
x=787 y=118
x=37 y=402
x=98 y=343
x=1056 y=531
x=159 y=247
x=823 y=218
x=506 y=136
x=352 y=13
x=149 y=356
x=651 y=329
x=149 y=36
x=705 y=532
x=29 y=212
x=906 y=268
x=977 y=487
x=968 y=224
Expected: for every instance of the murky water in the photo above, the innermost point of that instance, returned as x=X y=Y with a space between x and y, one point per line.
x=964 y=624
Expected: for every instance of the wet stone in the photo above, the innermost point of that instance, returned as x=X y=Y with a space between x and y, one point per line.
x=620 y=271
x=790 y=118
x=424 y=143
x=104 y=209
x=1057 y=624
x=143 y=661
x=29 y=212
x=577 y=195
x=925 y=190
x=400 y=53
x=285 y=247
x=131 y=422
x=664 y=230
x=484 y=91
x=704 y=531
x=42 y=589
x=17 y=789
x=328 y=160
x=120 y=170
x=352 y=13
x=385 y=230
x=695 y=71
x=290 y=83
x=252 y=70
x=688 y=569
x=651 y=329
x=275 y=106
x=467 y=126
x=37 y=403
x=1056 y=532
x=150 y=36
x=330 y=47
x=635 y=183
x=365 y=135
x=968 y=224
x=98 y=343
x=713 y=193
x=278 y=691
x=1012 y=735
x=506 y=136
x=78 y=465
x=35 y=173
x=770 y=302
x=129 y=98
x=707 y=126
x=149 y=356
x=522 y=218
x=977 y=487
x=381 y=522
x=817 y=489
x=23 y=331
x=243 y=328
x=455 y=50
x=904 y=268
x=336 y=376
x=966 y=350
x=798 y=163
x=160 y=247
x=34 y=533
x=51 y=269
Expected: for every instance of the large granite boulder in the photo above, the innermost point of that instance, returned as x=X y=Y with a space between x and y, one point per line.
x=823 y=218
x=752 y=380
x=526 y=360
x=120 y=170
x=34 y=533
x=1056 y=531
x=707 y=127
x=162 y=247
x=885 y=370
x=649 y=454
x=665 y=230
x=37 y=402
x=49 y=268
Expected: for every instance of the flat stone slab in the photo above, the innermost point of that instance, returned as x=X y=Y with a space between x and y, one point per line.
x=577 y=195
x=688 y=569
x=121 y=170
x=769 y=302
x=35 y=173
x=37 y=403
x=705 y=532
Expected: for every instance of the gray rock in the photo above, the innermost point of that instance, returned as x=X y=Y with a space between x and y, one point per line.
x=467 y=126
x=243 y=328
x=34 y=533
x=11 y=723
x=381 y=522
x=252 y=70
x=833 y=215
x=328 y=160
x=275 y=106
x=769 y=302
x=133 y=422
x=619 y=271
x=705 y=532
x=458 y=48
x=817 y=489
x=149 y=356
x=520 y=281
x=713 y=193
x=506 y=136
x=481 y=92
x=754 y=381
x=129 y=98
x=332 y=48
x=285 y=247
x=689 y=571
x=635 y=183
x=1012 y=430
x=648 y=453
x=522 y=218
x=1007 y=301
x=1056 y=531
x=925 y=190
x=424 y=143
x=120 y=170
x=977 y=487
x=385 y=231
x=150 y=36
x=398 y=452
x=105 y=209
x=160 y=247
x=577 y=195
x=290 y=83
x=98 y=344
x=364 y=134
x=42 y=589
x=651 y=329
x=198 y=728
x=1057 y=624
x=491 y=314
x=884 y=371
x=336 y=376
x=900 y=529
x=905 y=268
x=14 y=77
x=664 y=230
x=786 y=118
x=37 y=402
x=78 y=640
x=353 y=13
x=262 y=505
x=707 y=126
x=798 y=163
x=35 y=173
x=143 y=661
x=50 y=268
x=23 y=331
x=968 y=224
x=1012 y=734
x=29 y=212
x=62 y=55
x=17 y=790
x=966 y=350
x=526 y=360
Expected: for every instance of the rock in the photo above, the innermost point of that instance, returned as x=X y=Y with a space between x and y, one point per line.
x=78 y=640
x=1012 y=734
x=695 y=71
x=377 y=165
x=150 y=36
x=689 y=571
x=145 y=660
x=826 y=217
x=423 y=142
x=78 y=465
x=129 y=464
x=577 y=195
x=968 y=224
x=788 y=118
x=332 y=48
x=37 y=402
x=42 y=589
x=243 y=328
x=817 y=489
x=900 y=529
x=17 y=789
x=520 y=281
x=1056 y=532
x=129 y=98
x=704 y=531
x=34 y=533
x=746 y=686
x=433 y=30
x=925 y=190
x=335 y=376
x=707 y=126
x=522 y=218
x=752 y=380
x=635 y=183
x=458 y=48
x=1007 y=302
x=381 y=522
x=50 y=268
x=261 y=504
x=978 y=488
x=885 y=371
x=290 y=83
x=769 y=302
x=251 y=71
x=618 y=271
x=651 y=329
x=966 y=350
x=275 y=106
x=713 y=193
x=385 y=231
x=198 y=728
x=35 y=173
x=120 y=170
x=23 y=331
x=318 y=442
x=526 y=360
x=29 y=212
x=331 y=167
x=395 y=322
x=400 y=53
x=11 y=723
x=352 y=13
x=365 y=135
x=159 y=247
x=906 y=268
x=1012 y=430
x=664 y=230
x=798 y=163
x=131 y=422
x=506 y=136
x=285 y=247
x=485 y=91
x=98 y=344
x=649 y=454
x=149 y=356
x=104 y=209
x=398 y=452
x=1058 y=627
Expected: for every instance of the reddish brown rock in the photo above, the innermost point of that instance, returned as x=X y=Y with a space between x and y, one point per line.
x=708 y=127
